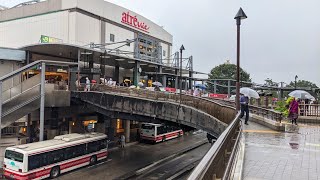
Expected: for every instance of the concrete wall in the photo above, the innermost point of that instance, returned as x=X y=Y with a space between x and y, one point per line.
x=120 y=35
x=28 y=31
x=7 y=67
x=124 y=107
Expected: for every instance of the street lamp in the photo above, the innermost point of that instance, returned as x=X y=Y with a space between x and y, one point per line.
x=240 y=15
x=295 y=81
x=180 y=83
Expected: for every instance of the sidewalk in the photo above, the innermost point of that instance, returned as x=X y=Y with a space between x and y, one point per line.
x=276 y=155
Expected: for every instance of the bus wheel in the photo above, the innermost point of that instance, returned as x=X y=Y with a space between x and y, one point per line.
x=55 y=172
x=93 y=160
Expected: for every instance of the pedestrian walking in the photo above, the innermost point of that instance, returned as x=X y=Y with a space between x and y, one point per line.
x=87 y=84
x=123 y=140
x=293 y=111
x=244 y=102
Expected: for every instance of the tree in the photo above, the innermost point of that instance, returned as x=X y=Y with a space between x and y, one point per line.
x=269 y=82
x=303 y=83
x=226 y=71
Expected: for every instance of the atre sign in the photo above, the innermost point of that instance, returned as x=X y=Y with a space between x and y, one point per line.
x=134 y=22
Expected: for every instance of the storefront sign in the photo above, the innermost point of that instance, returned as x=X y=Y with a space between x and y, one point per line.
x=47 y=39
x=134 y=22
x=220 y=96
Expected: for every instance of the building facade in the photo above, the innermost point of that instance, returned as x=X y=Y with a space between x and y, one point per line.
x=83 y=22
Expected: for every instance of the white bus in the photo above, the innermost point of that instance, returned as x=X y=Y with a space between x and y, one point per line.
x=158 y=132
x=52 y=157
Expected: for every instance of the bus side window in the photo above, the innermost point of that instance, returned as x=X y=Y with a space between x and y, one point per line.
x=93 y=147
x=34 y=162
x=103 y=143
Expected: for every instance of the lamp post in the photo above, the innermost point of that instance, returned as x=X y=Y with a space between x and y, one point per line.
x=180 y=82
x=240 y=15
x=295 y=81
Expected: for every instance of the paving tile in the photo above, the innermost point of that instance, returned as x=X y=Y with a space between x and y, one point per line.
x=283 y=155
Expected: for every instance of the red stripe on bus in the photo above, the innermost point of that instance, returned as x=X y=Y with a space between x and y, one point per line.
x=45 y=172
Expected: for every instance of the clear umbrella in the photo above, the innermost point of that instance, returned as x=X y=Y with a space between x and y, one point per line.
x=249 y=92
x=300 y=94
x=157 y=83
x=140 y=84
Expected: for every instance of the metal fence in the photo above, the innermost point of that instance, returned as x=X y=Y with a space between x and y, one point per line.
x=219 y=161
x=309 y=110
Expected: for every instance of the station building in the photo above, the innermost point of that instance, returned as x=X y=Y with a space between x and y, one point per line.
x=106 y=40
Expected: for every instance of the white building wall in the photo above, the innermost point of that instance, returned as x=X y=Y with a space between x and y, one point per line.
x=21 y=32
x=87 y=30
x=120 y=35
x=166 y=55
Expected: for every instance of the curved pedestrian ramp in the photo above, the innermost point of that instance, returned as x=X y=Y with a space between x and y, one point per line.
x=143 y=105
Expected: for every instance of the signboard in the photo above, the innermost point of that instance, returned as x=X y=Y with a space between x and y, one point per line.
x=48 y=39
x=220 y=96
x=133 y=21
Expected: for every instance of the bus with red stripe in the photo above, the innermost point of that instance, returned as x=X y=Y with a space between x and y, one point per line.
x=51 y=158
x=159 y=132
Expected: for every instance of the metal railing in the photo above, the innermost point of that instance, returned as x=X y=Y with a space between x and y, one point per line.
x=220 y=159
x=220 y=111
x=309 y=110
x=260 y=111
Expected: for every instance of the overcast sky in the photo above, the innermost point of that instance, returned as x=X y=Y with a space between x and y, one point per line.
x=280 y=38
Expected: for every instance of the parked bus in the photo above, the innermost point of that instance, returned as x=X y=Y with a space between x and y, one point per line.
x=158 y=132
x=51 y=158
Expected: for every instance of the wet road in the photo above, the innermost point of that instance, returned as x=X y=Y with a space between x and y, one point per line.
x=176 y=165
x=281 y=155
x=132 y=158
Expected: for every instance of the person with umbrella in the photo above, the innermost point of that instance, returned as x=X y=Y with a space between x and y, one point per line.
x=293 y=111
x=244 y=102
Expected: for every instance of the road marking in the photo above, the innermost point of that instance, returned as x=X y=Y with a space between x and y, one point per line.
x=261 y=131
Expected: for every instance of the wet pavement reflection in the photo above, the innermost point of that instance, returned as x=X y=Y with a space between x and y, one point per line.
x=282 y=155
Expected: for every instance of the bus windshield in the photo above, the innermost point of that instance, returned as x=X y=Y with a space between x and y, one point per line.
x=15 y=156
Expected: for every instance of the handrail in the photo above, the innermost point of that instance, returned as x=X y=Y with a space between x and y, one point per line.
x=26 y=67
x=213 y=164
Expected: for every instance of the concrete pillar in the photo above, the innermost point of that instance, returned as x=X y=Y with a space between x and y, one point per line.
x=127 y=131
x=29 y=127
x=186 y=84
x=176 y=82
x=90 y=66
x=116 y=75
x=229 y=88
x=215 y=86
x=136 y=73
x=266 y=102
x=190 y=79
x=164 y=80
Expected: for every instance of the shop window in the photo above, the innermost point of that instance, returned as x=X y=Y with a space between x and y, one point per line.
x=164 y=53
x=112 y=37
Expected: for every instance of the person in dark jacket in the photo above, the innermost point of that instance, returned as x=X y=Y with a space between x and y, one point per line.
x=244 y=102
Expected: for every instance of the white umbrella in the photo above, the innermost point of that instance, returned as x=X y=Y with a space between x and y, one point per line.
x=232 y=98
x=133 y=86
x=140 y=84
x=157 y=83
x=249 y=92
x=301 y=94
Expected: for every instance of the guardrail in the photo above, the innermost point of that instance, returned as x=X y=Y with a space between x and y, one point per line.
x=309 y=110
x=219 y=161
x=264 y=112
x=220 y=111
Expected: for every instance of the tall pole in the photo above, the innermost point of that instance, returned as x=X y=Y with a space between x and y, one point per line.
x=295 y=82
x=240 y=15
x=180 y=82
x=42 y=91
x=0 y=106
x=238 y=66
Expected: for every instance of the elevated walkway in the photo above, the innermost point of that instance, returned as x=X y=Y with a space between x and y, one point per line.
x=270 y=154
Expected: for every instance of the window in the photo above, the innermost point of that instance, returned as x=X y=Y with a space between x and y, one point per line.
x=93 y=147
x=128 y=44
x=15 y=156
x=164 y=53
x=112 y=37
